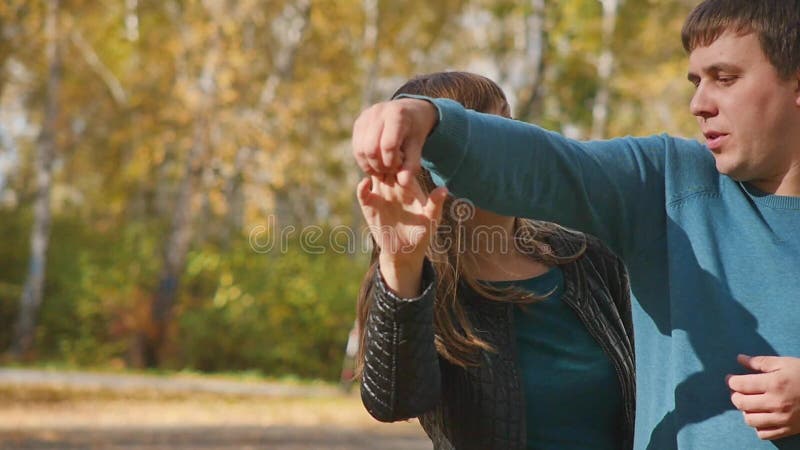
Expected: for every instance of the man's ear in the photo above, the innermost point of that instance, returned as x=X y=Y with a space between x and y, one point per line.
x=797 y=88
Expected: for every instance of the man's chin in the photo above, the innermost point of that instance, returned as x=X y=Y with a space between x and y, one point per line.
x=732 y=170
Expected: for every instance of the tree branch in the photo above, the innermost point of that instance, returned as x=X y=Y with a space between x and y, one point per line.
x=90 y=57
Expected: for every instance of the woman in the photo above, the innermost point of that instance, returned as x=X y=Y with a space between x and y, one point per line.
x=496 y=332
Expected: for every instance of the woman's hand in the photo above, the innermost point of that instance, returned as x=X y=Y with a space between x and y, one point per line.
x=402 y=220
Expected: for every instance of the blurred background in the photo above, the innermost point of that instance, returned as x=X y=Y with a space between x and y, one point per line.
x=176 y=185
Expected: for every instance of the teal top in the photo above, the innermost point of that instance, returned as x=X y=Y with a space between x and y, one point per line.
x=573 y=399
x=714 y=264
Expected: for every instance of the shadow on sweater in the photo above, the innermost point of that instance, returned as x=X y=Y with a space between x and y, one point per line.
x=704 y=394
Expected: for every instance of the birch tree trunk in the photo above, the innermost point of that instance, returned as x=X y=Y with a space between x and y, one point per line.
x=32 y=293
x=234 y=197
x=8 y=155
x=605 y=67
x=528 y=89
x=290 y=28
x=179 y=237
x=369 y=52
x=177 y=246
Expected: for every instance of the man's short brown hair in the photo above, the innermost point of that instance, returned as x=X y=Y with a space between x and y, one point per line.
x=775 y=22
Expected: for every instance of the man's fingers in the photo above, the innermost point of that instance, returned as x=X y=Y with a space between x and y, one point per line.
x=759 y=363
x=769 y=434
x=394 y=134
x=388 y=137
x=405 y=177
x=372 y=150
x=370 y=135
x=412 y=153
x=390 y=153
x=750 y=403
x=764 y=420
x=366 y=134
x=749 y=384
x=357 y=141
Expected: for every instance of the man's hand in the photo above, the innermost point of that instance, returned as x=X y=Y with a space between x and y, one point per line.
x=388 y=137
x=769 y=398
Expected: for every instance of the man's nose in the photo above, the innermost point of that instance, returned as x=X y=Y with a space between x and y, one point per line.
x=702 y=104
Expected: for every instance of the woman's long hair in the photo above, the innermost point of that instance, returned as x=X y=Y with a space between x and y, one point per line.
x=455 y=338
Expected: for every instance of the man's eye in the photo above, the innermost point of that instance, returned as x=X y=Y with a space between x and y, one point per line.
x=726 y=80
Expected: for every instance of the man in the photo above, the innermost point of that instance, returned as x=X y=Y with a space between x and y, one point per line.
x=711 y=234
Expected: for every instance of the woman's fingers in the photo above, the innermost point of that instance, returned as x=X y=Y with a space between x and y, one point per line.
x=363 y=190
x=435 y=203
x=397 y=204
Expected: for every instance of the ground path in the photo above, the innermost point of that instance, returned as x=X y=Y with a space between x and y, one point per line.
x=76 y=410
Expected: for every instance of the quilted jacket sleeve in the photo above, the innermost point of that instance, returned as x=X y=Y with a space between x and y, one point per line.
x=401 y=377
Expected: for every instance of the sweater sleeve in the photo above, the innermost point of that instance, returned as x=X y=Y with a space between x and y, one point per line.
x=401 y=376
x=613 y=189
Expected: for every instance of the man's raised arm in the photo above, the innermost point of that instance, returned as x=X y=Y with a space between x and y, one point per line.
x=613 y=189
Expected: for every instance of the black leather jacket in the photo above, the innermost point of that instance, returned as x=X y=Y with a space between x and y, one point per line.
x=483 y=407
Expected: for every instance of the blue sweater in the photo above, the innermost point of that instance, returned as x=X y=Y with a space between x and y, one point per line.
x=714 y=264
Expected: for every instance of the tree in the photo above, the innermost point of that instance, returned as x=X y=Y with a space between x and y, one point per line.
x=605 y=68
x=40 y=234
x=179 y=236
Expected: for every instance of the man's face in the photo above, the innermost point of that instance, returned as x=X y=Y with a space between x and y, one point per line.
x=748 y=114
